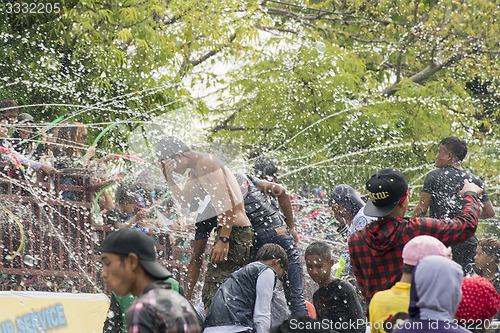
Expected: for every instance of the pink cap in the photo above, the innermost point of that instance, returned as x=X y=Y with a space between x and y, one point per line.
x=423 y=246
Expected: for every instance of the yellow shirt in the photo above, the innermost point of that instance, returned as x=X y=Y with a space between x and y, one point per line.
x=388 y=302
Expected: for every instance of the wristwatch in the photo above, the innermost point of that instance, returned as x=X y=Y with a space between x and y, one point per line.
x=224 y=239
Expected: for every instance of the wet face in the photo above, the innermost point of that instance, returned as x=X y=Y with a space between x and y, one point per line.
x=180 y=163
x=279 y=270
x=342 y=214
x=127 y=207
x=4 y=129
x=119 y=275
x=276 y=265
x=81 y=136
x=11 y=115
x=482 y=259
x=25 y=131
x=52 y=135
x=444 y=157
x=319 y=269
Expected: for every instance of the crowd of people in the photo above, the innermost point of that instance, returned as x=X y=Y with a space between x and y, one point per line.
x=426 y=272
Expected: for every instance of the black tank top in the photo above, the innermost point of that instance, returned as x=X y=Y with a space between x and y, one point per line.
x=260 y=212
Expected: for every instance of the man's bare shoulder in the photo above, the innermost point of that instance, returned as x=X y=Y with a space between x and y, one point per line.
x=207 y=163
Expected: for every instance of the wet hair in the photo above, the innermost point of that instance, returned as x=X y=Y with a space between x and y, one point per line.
x=8 y=103
x=168 y=146
x=53 y=131
x=456 y=146
x=408 y=269
x=122 y=258
x=126 y=193
x=345 y=196
x=491 y=247
x=392 y=323
x=168 y=203
x=264 y=168
x=319 y=248
x=272 y=251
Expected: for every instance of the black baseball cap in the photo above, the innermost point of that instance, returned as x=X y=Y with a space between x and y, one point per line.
x=125 y=241
x=385 y=189
x=168 y=146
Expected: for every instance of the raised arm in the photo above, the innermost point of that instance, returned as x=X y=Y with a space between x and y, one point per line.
x=182 y=196
x=452 y=231
x=423 y=205
x=487 y=210
x=283 y=201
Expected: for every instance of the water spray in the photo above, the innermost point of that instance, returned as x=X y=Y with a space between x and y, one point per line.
x=21 y=245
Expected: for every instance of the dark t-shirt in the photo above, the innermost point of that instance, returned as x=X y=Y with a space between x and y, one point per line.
x=337 y=302
x=206 y=221
x=444 y=185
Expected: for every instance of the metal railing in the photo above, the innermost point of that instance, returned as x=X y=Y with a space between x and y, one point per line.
x=48 y=238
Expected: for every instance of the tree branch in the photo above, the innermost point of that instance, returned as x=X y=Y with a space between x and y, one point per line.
x=247 y=128
x=356 y=38
x=288 y=13
x=223 y=125
x=186 y=62
x=488 y=51
x=324 y=12
x=212 y=53
x=426 y=73
x=269 y=29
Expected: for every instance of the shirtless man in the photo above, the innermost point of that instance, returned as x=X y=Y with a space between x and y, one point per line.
x=234 y=232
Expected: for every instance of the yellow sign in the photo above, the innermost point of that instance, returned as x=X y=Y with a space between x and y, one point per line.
x=34 y=312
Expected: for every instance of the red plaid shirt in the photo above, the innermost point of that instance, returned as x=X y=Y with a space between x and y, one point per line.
x=376 y=250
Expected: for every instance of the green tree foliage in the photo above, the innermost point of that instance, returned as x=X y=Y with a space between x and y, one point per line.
x=106 y=61
x=364 y=85
x=332 y=90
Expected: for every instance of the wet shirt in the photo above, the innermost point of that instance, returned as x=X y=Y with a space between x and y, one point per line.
x=206 y=220
x=337 y=302
x=376 y=250
x=445 y=185
x=161 y=309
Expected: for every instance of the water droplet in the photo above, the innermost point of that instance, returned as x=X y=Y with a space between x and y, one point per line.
x=320 y=47
x=29 y=260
